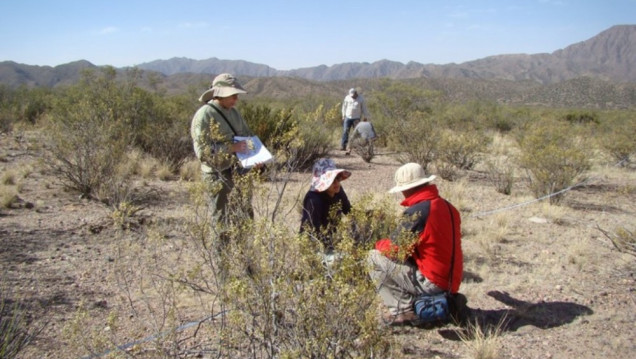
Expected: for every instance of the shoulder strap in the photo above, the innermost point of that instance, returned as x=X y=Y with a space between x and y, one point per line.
x=450 y=275
x=225 y=118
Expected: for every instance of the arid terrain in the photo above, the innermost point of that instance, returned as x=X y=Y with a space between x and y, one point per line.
x=548 y=274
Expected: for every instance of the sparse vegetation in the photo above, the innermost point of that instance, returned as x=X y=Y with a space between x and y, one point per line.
x=554 y=156
x=158 y=286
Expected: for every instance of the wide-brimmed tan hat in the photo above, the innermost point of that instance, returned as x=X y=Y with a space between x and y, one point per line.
x=224 y=85
x=410 y=176
x=324 y=173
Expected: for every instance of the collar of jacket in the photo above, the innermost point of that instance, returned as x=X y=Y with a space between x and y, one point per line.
x=427 y=193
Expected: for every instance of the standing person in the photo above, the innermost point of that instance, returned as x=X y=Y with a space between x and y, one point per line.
x=426 y=270
x=325 y=202
x=213 y=128
x=353 y=108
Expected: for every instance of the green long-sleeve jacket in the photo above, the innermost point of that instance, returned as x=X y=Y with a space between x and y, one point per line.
x=211 y=135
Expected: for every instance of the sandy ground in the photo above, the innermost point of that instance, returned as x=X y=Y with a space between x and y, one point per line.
x=555 y=281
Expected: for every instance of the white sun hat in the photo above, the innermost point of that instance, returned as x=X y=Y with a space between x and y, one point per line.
x=409 y=176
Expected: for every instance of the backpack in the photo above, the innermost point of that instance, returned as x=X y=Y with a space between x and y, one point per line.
x=442 y=308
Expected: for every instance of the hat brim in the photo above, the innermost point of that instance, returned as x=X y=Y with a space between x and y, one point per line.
x=320 y=184
x=414 y=184
x=220 y=92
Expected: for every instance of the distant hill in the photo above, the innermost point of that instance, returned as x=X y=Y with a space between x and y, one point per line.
x=596 y=73
x=611 y=55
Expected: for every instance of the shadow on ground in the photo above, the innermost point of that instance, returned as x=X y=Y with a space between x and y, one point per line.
x=543 y=315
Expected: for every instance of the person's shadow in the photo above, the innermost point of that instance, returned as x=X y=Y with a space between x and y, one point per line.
x=543 y=315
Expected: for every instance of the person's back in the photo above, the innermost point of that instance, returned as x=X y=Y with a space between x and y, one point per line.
x=365 y=130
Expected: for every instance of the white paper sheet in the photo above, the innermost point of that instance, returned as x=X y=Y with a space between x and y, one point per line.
x=257 y=152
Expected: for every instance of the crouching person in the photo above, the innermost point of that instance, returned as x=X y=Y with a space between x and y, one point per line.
x=432 y=264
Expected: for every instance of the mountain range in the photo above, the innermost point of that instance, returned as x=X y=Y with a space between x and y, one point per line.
x=610 y=55
x=596 y=73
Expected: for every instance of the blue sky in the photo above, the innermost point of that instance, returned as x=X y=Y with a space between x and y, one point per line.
x=290 y=34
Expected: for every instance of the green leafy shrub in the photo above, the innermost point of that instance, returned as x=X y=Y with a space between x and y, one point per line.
x=554 y=157
x=462 y=149
x=86 y=135
x=415 y=138
x=618 y=138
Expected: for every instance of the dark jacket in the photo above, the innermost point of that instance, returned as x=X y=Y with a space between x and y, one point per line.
x=316 y=214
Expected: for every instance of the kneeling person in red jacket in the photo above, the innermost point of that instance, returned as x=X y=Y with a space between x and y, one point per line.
x=426 y=270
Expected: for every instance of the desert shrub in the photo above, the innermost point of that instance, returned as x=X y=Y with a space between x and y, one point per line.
x=267 y=288
x=276 y=128
x=415 y=138
x=447 y=170
x=582 y=117
x=309 y=140
x=395 y=101
x=462 y=149
x=295 y=138
x=622 y=238
x=86 y=137
x=190 y=170
x=165 y=134
x=554 y=157
x=618 y=137
x=501 y=174
x=23 y=104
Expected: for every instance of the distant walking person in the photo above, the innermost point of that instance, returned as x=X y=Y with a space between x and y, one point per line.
x=353 y=108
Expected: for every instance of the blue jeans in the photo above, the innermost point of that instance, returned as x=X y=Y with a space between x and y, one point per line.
x=346 y=128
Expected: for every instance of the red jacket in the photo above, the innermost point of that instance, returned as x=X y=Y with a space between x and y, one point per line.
x=428 y=214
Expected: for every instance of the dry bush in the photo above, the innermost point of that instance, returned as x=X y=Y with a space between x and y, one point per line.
x=555 y=214
x=86 y=145
x=17 y=331
x=618 y=138
x=457 y=193
x=622 y=238
x=483 y=341
x=190 y=170
x=266 y=291
x=9 y=178
x=10 y=186
x=553 y=156
x=415 y=138
x=501 y=174
x=491 y=233
x=163 y=171
x=8 y=195
x=462 y=149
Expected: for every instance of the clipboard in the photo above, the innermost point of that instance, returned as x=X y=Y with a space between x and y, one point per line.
x=257 y=152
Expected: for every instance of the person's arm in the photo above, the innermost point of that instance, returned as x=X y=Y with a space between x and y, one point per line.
x=346 y=205
x=314 y=210
x=344 y=108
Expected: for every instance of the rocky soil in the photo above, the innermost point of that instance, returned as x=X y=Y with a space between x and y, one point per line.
x=553 y=280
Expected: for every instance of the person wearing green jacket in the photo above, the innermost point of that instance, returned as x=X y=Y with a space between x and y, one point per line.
x=213 y=128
